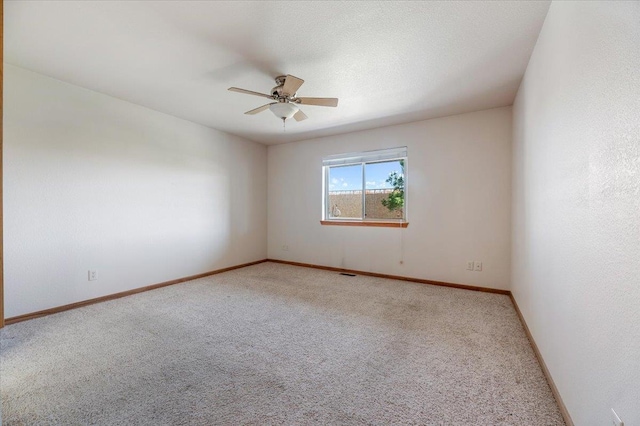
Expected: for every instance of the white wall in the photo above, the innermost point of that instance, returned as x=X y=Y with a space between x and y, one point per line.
x=576 y=206
x=459 y=201
x=93 y=182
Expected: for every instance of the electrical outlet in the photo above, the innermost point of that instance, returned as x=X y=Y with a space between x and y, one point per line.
x=616 y=420
x=470 y=265
x=478 y=266
x=93 y=275
x=285 y=247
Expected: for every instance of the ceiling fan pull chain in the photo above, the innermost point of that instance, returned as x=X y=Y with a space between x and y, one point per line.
x=284 y=127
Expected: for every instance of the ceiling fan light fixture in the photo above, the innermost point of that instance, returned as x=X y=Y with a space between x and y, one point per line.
x=283 y=110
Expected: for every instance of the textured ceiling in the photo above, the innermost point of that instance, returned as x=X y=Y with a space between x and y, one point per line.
x=388 y=62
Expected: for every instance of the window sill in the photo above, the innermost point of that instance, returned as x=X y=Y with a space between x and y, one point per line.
x=378 y=224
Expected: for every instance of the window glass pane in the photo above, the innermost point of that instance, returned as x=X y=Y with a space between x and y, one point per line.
x=384 y=196
x=345 y=192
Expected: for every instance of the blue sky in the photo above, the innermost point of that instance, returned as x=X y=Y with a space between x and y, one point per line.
x=350 y=177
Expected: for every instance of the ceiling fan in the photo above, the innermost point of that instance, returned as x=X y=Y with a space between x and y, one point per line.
x=286 y=102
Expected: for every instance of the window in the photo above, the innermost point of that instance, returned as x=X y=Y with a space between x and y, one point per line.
x=365 y=188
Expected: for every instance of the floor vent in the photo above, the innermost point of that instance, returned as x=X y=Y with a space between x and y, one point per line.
x=348 y=275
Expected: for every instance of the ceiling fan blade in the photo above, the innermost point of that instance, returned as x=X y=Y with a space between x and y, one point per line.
x=291 y=85
x=299 y=116
x=250 y=92
x=259 y=109
x=328 y=102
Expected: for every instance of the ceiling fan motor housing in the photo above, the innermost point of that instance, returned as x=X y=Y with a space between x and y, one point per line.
x=278 y=90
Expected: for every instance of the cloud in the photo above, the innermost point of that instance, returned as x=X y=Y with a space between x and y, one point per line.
x=345 y=184
x=334 y=180
x=371 y=183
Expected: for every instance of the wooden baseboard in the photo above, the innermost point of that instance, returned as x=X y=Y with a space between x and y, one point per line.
x=543 y=366
x=55 y=310
x=395 y=277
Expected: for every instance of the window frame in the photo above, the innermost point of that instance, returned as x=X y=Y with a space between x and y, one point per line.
x=364 y=158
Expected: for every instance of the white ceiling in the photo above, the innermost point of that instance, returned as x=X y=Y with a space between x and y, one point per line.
x=388 y=62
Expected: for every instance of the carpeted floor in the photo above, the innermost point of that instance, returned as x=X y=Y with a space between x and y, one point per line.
x=278 y=344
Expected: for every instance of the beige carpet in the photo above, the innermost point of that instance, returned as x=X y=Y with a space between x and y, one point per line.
x=282 y=345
